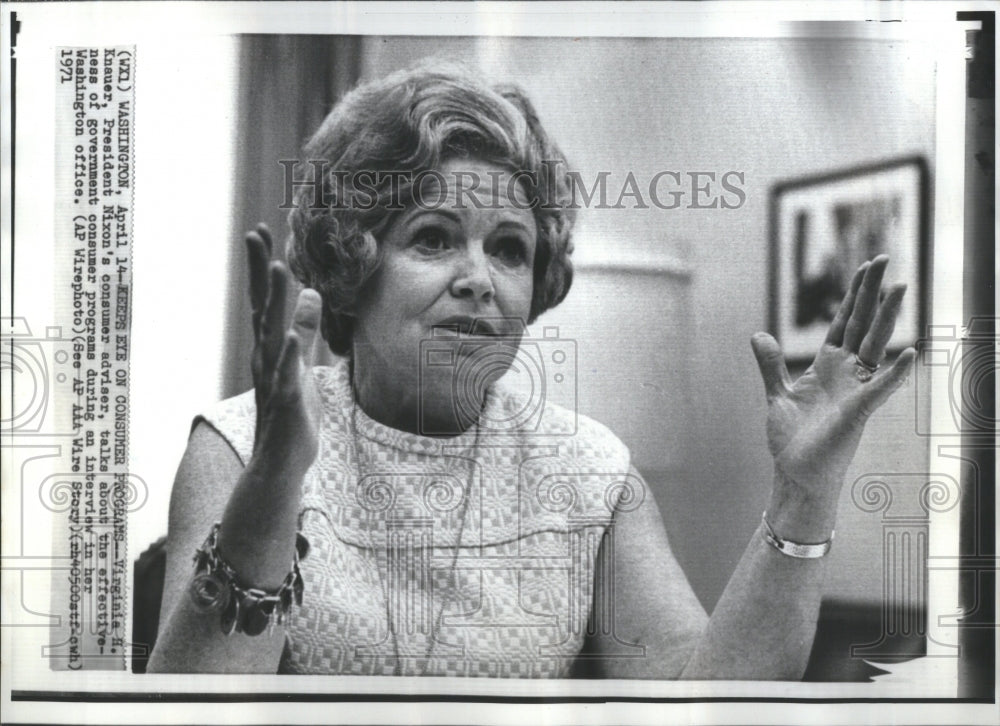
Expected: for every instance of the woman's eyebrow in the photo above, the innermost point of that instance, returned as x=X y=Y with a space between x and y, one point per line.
x=513 y=223
x=444 y=212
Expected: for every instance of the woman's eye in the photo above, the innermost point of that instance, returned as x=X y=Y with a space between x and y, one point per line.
x=431 y=240
x=511 y=251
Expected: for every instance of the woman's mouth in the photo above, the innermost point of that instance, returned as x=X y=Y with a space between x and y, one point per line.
x=465 y=326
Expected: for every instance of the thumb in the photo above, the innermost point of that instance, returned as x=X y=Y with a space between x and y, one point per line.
x=305 y=323
x=771 y=362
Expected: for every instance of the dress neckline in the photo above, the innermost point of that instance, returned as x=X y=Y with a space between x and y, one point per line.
x=336 y=385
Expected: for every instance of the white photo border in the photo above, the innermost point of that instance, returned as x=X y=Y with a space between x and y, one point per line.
x=127 y=698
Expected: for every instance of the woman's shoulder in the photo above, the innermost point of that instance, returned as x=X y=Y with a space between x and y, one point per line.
x=235 y=418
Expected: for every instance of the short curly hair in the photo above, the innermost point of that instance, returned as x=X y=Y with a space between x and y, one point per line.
x=412 y=121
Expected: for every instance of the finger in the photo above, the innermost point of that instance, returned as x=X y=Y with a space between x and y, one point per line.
x=835 y=335
x=771 y=362
x=288 y=386
x=273 y=318
x=865 y=304
x=257 y=259
x=873 y=346
x=265 y=234
x=305 y=321
x=884 y=384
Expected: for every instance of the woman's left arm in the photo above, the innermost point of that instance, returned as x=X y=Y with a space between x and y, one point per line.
x=764 y=624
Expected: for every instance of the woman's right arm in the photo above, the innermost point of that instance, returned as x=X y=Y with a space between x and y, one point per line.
x=211 y=480
x=258 y=505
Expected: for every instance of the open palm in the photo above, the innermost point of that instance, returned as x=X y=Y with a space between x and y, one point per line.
x=814 y=424
x=285 y=389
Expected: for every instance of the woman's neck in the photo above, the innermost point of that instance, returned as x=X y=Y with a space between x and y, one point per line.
x=408 y=402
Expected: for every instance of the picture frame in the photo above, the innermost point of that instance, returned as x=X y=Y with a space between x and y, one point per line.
x=824 y=226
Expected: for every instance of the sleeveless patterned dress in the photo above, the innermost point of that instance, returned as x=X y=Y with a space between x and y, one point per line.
x=464 y=556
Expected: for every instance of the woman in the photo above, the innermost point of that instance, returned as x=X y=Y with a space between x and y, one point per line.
x=448 y=532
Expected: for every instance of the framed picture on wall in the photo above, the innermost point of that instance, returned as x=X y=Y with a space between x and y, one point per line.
x=823 y=227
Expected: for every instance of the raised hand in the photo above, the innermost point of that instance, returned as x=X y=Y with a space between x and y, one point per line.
x=814 y=424
x=287 y=401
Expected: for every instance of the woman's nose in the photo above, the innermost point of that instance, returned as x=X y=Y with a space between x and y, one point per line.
x=473 y=279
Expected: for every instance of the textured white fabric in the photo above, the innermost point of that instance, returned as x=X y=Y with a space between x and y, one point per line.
x=465 y=556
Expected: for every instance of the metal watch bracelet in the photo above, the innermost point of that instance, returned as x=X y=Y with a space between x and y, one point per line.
x=794 y=549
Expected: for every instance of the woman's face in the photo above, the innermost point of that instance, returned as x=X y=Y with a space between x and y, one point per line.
x=456 y=278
